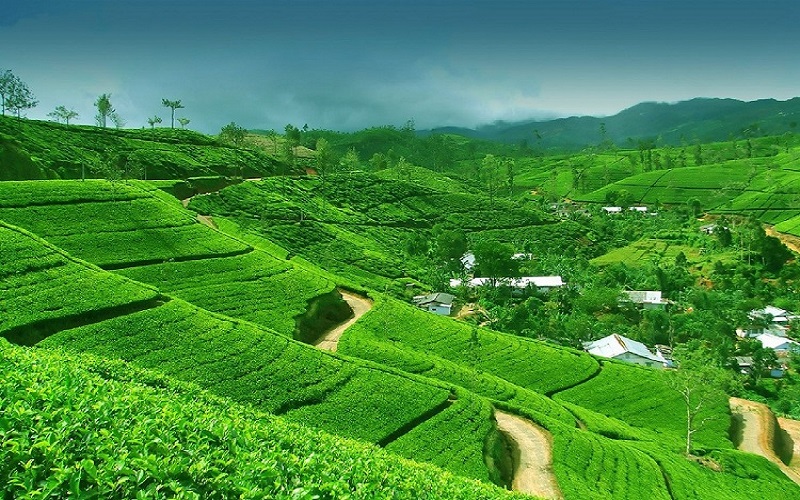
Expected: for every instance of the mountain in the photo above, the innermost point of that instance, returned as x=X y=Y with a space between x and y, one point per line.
x=696 y=120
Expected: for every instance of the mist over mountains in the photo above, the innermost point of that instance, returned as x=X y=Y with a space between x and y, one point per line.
x=686 y=122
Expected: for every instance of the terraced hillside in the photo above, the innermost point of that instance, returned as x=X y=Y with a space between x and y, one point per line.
x=230 y=358
x=132 y=432
x=357 y=225
x=27 y=152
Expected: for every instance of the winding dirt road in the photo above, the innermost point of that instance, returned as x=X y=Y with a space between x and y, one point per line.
x=758 y=424
x=533 y=456
x=329 y=340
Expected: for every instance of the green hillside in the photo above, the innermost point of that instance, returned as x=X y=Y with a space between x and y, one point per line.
x=27 y=152
x=126 y=293
x=129 y=432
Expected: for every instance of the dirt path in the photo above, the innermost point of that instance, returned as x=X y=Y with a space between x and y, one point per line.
x=792 y=428
x=360 y=305
x=791 y=242
x=207 y=220
x=533 y=456
x=758 y=431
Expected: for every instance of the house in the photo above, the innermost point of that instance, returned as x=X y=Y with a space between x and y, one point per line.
x=437 y=303
x=641 y=210
x=612 y=210
x=542 y=284
x=708 y=228
x=647 y=299
x=468 y=260
x=625 y=349
x=744 y=363
x=771 y=320
x=781 y=345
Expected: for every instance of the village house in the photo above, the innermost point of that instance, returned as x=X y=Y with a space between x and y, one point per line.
x=625 y=349
x=781 y=345
x=612 y=210
x=437 y=303
x=646 y=299
x=771 y=320
x=542 y=284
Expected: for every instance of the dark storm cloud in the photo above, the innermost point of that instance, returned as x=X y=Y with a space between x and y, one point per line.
x=355 y=63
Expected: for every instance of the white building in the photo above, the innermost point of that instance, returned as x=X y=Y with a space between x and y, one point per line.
x=437 y=303
x=781 y=345
x=541 y=283
x=625 y=349
x=771 y=320
x=648 y=299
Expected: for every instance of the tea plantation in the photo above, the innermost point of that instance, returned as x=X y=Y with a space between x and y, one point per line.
x=170 y=358
x=79 y=426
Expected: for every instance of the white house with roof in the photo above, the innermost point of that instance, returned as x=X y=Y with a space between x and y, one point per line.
x=625 y=349
x=542 y=284
x=647 y=299
x=612 y=210
x=781 y=345
x=770 y=320
x=437 y=303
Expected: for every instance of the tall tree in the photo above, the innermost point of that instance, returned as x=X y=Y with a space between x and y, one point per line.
x=15 y=94
x=6 y=82
x=699 y=381
x=324 y=157
x=62 y=113
x=173 y=105
x=104 y=109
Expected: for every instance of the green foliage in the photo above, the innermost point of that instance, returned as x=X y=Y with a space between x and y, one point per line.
x=495 y=353
x=114 y=228
x=254 y=286
x=163 y=153
x=124 y=437
x=640 y=397
x=468 y=416
x=40 y=282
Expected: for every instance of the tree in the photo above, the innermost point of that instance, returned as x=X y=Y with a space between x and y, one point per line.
x=104 y=109
x=510 y=175
x=350 y=162
x=153 y=121
x=62 y=113
x=16 y=95
x=490 y=166
x=695 y=207
x=6 y=81
x=700 y=381
x=451 y=244
x=117 y=120
x=495 y=260
x=233 y=134
x=324 y=157
x=173 y=105
x=183 y=121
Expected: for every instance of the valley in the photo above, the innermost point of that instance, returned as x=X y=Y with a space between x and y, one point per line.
x=258 y=337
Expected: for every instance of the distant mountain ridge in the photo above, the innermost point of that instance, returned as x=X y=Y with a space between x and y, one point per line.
x=695 y=121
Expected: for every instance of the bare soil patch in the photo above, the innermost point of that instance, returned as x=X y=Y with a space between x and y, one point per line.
x=759 y=431
x=329 y=340
x=791 y=242
x=533 y=456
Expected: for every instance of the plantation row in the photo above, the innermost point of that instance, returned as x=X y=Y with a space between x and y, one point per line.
x=133 y=433
x=529 y=364
x=461 y=374
x=255 y=287
x=40 y=283
x=253 y=366
x=161 y=153
x=641 y=398
x=115 y=234
x=362 y=199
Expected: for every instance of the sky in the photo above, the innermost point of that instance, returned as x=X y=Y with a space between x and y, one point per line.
x=351 y=64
